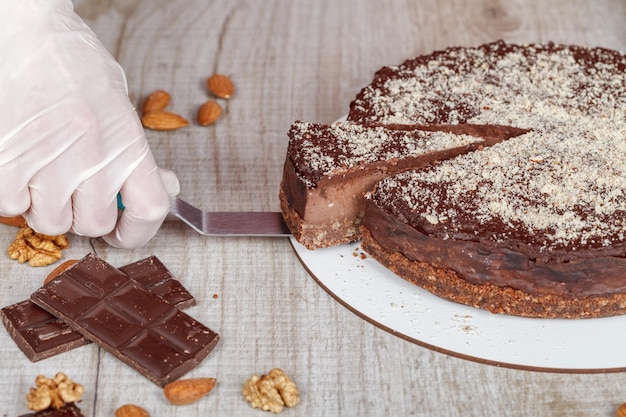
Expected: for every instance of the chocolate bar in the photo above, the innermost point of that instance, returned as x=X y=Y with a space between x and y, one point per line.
x=41 y=335
x=138 y=327
x=68 y=410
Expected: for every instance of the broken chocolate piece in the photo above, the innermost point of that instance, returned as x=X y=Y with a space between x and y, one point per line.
x=68 y=410
x=41 y=335
x=38 y=333
x=138 y=327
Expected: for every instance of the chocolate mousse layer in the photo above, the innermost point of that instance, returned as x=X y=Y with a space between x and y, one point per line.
x=497 y=279
x=481 y=262
x=504 y=282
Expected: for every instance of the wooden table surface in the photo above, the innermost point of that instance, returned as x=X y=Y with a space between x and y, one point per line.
x=293 y=60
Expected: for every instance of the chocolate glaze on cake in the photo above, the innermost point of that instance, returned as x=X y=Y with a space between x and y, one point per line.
x=533 y=226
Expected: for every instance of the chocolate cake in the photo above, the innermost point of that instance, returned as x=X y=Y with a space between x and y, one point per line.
x=534 y=225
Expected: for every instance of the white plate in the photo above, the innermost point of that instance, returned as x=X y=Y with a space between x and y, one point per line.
x=379 y=296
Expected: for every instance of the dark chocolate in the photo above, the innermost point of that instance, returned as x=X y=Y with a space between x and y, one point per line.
x=38 y=333
x=41 y=335
x=136 y=326
x=68 y=410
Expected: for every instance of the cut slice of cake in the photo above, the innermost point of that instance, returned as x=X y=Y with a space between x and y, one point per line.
x=329 y=168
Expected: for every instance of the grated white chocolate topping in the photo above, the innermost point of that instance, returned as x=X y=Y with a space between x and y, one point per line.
x=522 y=86
x=562 y=185
x=327 y=149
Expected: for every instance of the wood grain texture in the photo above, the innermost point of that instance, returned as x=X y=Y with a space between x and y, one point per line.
x=292 y=60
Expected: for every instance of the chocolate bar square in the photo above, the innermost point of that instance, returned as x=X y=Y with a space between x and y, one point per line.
x=155 y=277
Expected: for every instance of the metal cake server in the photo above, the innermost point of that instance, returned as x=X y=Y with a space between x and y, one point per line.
x=223 y=223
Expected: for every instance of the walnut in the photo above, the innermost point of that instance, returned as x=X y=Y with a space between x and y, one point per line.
x=53 y=393
x=36 y=248
x=271 y=392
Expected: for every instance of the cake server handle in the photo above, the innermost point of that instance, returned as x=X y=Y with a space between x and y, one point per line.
x=225 y=223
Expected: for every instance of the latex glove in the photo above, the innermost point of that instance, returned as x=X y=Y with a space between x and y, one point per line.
x=70 y=139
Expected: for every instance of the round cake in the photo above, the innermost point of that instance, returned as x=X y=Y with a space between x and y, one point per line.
x=527 y=218
x=532 y=226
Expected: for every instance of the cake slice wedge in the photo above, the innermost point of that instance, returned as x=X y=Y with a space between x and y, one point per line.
x=328 y=169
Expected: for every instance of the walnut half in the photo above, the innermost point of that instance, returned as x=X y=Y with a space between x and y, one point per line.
x=36 y=248
x=271 y=392
x=53 y=392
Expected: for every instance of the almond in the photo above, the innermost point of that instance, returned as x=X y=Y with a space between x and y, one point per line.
x=18 y=221
x=163 y=120
x=158 y=100
x=186 y=391
x=131 y=410
x=59 y=270
x=209 y=112
x=221 y=86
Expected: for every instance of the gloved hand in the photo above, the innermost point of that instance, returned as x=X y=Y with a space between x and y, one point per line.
x=70 y=139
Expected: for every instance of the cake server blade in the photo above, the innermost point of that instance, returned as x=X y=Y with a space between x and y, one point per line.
x=225 y=223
